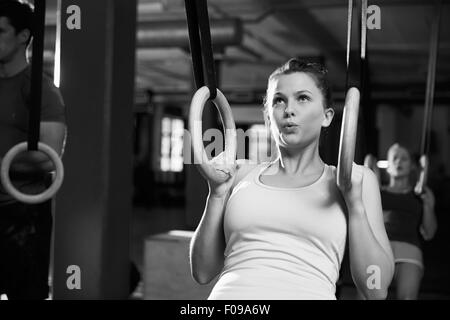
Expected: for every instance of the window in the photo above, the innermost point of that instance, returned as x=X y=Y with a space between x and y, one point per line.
x=172 y=130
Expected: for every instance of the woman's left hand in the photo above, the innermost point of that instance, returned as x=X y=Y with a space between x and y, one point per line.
x=353 y=195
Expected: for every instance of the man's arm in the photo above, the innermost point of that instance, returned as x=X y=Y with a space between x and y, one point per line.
x=52 y=134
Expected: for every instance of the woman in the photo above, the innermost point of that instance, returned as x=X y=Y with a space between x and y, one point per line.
x=278 y=230
x=407 y=219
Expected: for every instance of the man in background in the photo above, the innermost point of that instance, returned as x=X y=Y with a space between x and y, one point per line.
x=25 y=230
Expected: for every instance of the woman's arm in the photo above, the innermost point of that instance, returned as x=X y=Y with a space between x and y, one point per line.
x=208 y=243
x=428 y=227
x=371 y=258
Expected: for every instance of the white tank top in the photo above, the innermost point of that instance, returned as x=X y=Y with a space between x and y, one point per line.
x=282 y=243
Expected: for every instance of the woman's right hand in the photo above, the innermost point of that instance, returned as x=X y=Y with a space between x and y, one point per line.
x=428 y=198
x=228 y=171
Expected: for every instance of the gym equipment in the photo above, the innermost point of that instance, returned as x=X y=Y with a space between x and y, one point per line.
x=350 y=115
x=33 y=143
x=202 y=56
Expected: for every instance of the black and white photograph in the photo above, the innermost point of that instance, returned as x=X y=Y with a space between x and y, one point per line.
x=224 y=155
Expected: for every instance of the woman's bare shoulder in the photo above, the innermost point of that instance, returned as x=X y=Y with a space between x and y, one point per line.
x=245 y=166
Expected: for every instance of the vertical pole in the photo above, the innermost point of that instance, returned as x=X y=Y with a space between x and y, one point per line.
x=94 y=205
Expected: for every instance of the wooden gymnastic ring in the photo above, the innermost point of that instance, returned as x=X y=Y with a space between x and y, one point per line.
x=423 y=175
x=195 y=128
x=370 y=161
x=347 y=141
x=34 y=198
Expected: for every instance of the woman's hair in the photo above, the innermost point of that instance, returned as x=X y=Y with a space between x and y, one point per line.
x=317 y=71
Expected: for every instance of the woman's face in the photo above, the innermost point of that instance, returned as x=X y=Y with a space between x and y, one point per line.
x=399 y=162
x=296 y=110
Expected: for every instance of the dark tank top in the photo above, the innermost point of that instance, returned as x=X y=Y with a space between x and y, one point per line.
x=402 y=216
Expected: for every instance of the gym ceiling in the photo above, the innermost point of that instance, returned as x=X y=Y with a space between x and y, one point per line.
x=274 y=30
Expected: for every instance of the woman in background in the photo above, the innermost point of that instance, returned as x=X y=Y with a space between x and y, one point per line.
x=408 y=218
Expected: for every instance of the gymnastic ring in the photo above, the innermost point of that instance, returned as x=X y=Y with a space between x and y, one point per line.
x=370 y=161
x=423 y=175
x=195 y=128
x=35 y=198
x=347 y=141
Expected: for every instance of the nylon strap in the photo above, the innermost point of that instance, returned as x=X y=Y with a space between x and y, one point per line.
x=201 y=45
x=34 y=119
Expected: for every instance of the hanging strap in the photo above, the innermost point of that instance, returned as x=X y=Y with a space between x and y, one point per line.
x=363 y=43
x=363 y=29
x=200 y=45
x=363 y=49
x=429 y=97
x=431 y=78
x=349 y=40
x=36 y=75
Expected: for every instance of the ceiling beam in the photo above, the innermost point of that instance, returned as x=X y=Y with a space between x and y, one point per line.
x=260 y=9
x=299 y=21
